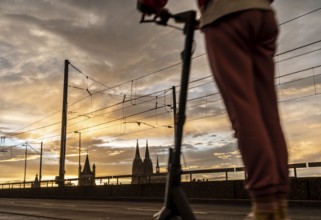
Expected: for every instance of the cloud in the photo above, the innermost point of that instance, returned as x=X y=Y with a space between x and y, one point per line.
x=105 y=41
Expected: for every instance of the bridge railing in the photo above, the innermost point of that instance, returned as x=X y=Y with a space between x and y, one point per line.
x=154 y=178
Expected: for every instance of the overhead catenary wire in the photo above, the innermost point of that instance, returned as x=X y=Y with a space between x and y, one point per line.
x=91 y=112
x=176 y=64
x=195 y=119
x=297 y=48
x=188 y=120
x=187 y=107
x=115 y=110
x=97 y=81
x=89 y=77
x=152 y=115
x=108 y=122
x=195 y=57
x=200 y=55
x=302 y=54
x=107 y=87
x=293 y=19
x=152 y=99
x=13 y=133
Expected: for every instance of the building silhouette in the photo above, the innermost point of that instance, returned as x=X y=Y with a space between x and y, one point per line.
x=142 y=170
x=36 y=183
x=87 y=177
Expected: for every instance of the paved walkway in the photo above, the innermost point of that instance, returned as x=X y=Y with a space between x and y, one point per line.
x=35 y=209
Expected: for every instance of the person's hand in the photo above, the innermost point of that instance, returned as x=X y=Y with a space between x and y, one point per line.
x=197 y=24
x=154 y=7
x=150 y=7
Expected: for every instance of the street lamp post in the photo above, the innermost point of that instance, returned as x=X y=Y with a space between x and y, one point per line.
x=78 y=132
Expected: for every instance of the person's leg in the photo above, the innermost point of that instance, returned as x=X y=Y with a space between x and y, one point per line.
x=264 y=67
x=229 y=46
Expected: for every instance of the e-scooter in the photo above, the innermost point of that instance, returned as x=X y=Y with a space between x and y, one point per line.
x=176 y=205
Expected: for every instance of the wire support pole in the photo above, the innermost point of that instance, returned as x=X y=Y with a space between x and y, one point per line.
x=40 y=166
x=79 y=150
x=174 y=107
x=61 y=177
x=25 y=170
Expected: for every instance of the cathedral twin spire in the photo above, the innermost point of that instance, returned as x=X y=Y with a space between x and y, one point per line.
x=147 y=151
x=142 y=168
x=137 y=154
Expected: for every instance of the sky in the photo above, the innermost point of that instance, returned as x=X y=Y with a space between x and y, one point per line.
x=120 y=81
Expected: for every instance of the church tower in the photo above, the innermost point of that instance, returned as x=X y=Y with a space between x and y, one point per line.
x=148 y=164
x=87 y=177
x=36 y=183
x=138 y=167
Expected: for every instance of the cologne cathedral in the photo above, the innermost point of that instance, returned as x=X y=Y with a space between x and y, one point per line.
x=142 y=170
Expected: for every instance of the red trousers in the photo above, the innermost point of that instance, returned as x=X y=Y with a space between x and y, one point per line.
x=240 y=49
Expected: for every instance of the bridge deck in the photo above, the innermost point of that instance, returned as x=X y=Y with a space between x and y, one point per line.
x=35 y=209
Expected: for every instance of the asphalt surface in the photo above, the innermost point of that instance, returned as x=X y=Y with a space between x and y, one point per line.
x=35 y=209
